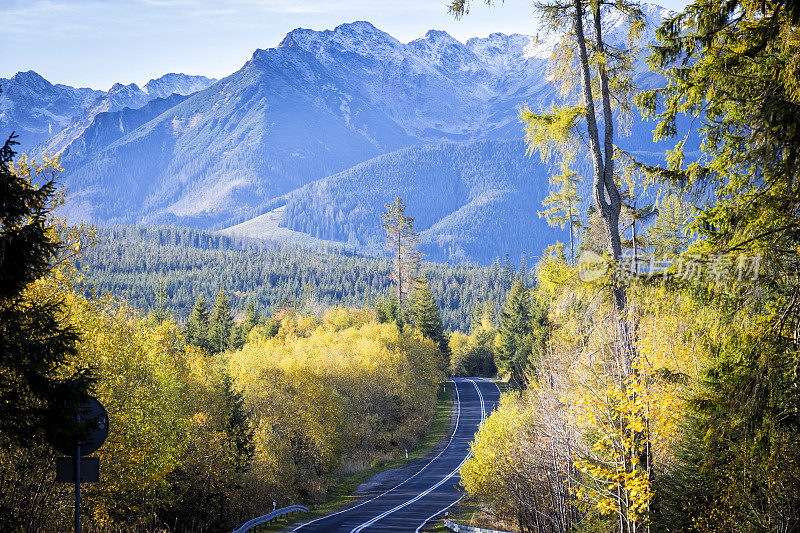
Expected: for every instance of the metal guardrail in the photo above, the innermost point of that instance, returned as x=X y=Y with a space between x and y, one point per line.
x=244 y=528
x=452 y=526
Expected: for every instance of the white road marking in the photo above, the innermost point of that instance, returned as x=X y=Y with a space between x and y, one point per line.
x=439 y=512
x=458 y=418
x=424 y=493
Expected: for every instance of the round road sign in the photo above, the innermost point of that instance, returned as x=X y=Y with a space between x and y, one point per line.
x=89 y=428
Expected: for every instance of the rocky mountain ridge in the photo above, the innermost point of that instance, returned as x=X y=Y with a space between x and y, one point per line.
x=316 y=105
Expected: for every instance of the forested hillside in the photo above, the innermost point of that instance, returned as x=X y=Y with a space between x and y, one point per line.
x=172 y=267
x=462 y=197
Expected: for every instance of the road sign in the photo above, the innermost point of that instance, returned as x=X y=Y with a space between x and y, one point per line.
x=66 y=467
x=79 y=435
x=89 y=429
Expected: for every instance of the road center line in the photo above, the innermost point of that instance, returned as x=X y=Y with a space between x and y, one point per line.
x=458 y=419
x=440 y=511
x=368 y=523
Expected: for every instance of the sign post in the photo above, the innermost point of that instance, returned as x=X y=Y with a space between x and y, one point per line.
x=85 y=438
x=78 y=480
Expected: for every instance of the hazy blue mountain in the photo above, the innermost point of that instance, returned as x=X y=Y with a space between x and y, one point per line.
x=48 y=117
x=471 y=202
x=269 y=128
x=122 y=97
x=36 y=109
x=108 y=126
x=174 y=83
x=118 y=97
x=317 y=104
x=341 y=110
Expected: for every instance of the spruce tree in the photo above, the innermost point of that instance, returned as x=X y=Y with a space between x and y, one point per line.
x=426 y=316
x=221 y=324
x=477 y=317
x=36 y=339
x=387 y=310
x=159 y=313
x=251 y=318
x=239 y=429
x=508 y=271
x=240 y=331
x=238 y=337
x=380 y=313
x=515 y=328
x=197 y=327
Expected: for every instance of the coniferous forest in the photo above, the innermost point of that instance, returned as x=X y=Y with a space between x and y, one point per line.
x=649 y=365
x=171 y=267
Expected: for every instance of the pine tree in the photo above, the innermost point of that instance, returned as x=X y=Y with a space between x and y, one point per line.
x=221 y=324
x=251 y=318
x=426 y=317
x=402 y=241
x=564 y=204
x=197 y=327
x=36 y=340
x=515 y=328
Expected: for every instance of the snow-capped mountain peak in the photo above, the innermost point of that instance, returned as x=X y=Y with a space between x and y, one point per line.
x=32 y=81
x=360 y=38
x=441 y=38
x=315 y=105
x=174 y=83
x=36 y=109
x=120 y=96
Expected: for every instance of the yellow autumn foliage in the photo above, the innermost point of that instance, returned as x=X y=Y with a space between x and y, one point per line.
x=333 y=395
x=210 y=442
x=583 y=431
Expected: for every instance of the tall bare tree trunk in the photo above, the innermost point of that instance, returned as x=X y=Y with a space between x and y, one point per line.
x=399 y=267
x=571 y=237
x=607 y=197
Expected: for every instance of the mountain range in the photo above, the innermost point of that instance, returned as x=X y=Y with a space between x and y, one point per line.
x=308 y=140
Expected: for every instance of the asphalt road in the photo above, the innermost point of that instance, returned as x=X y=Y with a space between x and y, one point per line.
x=432 y=488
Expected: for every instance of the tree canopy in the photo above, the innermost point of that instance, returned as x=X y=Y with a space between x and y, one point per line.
x=402 y=241
x=36 y=337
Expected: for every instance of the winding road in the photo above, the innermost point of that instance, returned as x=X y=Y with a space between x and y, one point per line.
x=428 y=492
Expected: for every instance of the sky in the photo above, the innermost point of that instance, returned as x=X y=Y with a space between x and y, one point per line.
x=96 y=43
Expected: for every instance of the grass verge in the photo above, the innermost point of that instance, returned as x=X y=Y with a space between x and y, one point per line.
x=341 y=494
